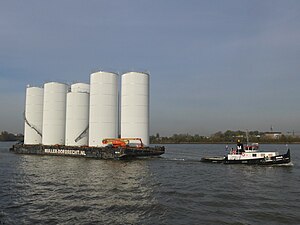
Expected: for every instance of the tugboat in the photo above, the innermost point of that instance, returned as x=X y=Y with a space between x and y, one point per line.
x=252 y=156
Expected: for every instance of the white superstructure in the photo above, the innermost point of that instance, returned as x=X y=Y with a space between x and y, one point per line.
x=54 y=113
x=33 y=115
x=135 y=106
x=103 y=116
x=252 y=155
x=77 y=115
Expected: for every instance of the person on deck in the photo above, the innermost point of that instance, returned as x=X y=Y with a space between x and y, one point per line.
x=240 y=147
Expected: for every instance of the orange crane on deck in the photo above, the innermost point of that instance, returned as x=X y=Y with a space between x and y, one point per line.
x=122 y=142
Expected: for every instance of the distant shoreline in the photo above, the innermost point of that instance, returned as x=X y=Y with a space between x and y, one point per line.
x=225 y=143
x=206 y=143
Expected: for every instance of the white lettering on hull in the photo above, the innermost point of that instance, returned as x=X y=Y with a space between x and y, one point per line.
x=64 y=152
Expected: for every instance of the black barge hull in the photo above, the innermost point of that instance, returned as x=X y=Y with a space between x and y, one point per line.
x=275 y=160
x=88 y=152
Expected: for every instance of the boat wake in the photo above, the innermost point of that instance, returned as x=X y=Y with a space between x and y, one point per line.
x=284 y=165
x=185 y=160
x=174 y=159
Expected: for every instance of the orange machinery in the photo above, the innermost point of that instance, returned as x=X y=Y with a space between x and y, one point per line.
x=122 y=142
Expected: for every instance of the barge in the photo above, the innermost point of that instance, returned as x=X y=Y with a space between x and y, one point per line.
x=107 y=152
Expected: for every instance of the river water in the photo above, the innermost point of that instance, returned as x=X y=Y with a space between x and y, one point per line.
x=173 y=189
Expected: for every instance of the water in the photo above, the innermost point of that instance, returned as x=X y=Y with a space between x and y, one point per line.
x=173 y=189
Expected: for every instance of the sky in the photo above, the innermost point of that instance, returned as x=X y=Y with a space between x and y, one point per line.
x=214 y=65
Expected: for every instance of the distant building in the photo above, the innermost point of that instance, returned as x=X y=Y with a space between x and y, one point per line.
x=272 y=135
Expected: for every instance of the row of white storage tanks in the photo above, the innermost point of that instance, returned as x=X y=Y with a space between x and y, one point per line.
x=83 y=114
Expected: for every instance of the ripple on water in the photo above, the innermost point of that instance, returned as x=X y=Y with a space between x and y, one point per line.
x=175 y=189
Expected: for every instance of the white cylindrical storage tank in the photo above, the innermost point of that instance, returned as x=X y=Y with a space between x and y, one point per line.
x=80 y=87
x=103 y=119
x=77 y=117
x=135 y=106
x=33 y=115
x=54 y=115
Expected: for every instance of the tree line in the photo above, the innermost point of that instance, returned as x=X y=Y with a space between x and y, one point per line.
x=5 y=136
x=226 y=137
x=218 y=137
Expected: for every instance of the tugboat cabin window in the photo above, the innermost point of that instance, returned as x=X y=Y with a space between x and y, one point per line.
x=253 y=155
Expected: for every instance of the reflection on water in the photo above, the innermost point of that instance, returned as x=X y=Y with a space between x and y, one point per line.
x=62 y=189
